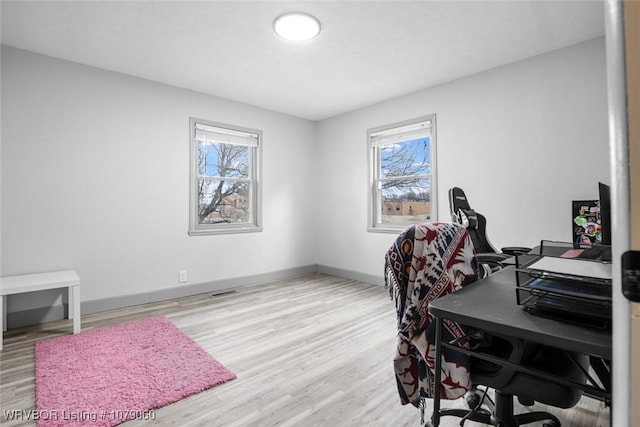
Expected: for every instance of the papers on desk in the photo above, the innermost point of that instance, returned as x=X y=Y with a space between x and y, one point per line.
x=566 y=289
x=573 y=267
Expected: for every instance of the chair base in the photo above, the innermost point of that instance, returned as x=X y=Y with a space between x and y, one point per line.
x=502 y=414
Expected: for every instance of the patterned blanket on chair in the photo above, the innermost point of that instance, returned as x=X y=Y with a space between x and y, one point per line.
x=425 y=262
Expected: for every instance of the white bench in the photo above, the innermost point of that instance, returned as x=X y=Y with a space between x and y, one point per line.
x=38 y=282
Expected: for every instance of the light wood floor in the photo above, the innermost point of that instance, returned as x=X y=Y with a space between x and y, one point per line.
x=314 y=350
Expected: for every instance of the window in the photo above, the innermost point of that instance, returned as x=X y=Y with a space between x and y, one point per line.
x=402 y=171
x=225 y=193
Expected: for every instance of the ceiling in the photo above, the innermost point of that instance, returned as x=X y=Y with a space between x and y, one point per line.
x=368 y=51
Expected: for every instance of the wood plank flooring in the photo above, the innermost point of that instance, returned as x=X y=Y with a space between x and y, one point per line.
x=313 y=350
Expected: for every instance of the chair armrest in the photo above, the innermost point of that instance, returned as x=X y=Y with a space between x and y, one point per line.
x=491 y=258
x=515 y=250
x=491 y=262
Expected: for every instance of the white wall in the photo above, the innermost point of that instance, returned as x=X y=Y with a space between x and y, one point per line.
x=95 y=177
x=522 y=140
x=95 y=171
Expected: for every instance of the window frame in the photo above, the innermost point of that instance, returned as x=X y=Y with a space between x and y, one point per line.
x=374 y=201
x=255 y=199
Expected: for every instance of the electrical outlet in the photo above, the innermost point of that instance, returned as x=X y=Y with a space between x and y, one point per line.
x=182 y=276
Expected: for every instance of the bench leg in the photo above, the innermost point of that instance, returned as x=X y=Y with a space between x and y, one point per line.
x=74 y=307
x=3 y=318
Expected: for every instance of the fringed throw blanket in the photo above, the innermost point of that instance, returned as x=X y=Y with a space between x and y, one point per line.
x=425 y=262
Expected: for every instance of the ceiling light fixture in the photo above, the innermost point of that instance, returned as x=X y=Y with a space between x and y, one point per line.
x=296 y=26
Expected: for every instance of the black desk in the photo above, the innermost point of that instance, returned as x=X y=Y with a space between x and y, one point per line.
x=490 y=304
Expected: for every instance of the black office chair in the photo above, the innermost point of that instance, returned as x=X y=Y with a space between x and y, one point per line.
x=476 y=225
x=528 y=388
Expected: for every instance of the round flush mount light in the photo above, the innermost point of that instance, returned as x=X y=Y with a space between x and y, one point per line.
x=296 y=26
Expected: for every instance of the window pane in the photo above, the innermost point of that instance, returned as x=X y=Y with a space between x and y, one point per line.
x=405 y=202
x=405 y=158
x=224 y=176
x=402 y=173
x=223 y=202
x=220 y=159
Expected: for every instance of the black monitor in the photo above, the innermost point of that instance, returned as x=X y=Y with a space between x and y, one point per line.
x=605 y=213
x=605 y=220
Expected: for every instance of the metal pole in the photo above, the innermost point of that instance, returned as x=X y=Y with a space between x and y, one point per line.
x=620 y=236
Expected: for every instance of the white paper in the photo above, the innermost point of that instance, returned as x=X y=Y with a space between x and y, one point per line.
x=574 y=267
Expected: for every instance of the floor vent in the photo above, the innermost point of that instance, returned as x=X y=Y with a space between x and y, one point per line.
x=221 y=293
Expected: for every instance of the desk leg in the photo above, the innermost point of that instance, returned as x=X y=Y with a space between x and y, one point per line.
x=435 y=418
x=3 y=320
x=602 y=370
x=74 y=307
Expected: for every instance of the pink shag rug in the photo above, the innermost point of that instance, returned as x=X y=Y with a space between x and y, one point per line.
x=106 y=376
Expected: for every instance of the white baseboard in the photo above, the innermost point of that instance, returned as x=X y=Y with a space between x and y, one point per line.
x=39 y=315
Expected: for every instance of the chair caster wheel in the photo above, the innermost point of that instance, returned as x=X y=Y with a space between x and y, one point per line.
x=473 y=400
